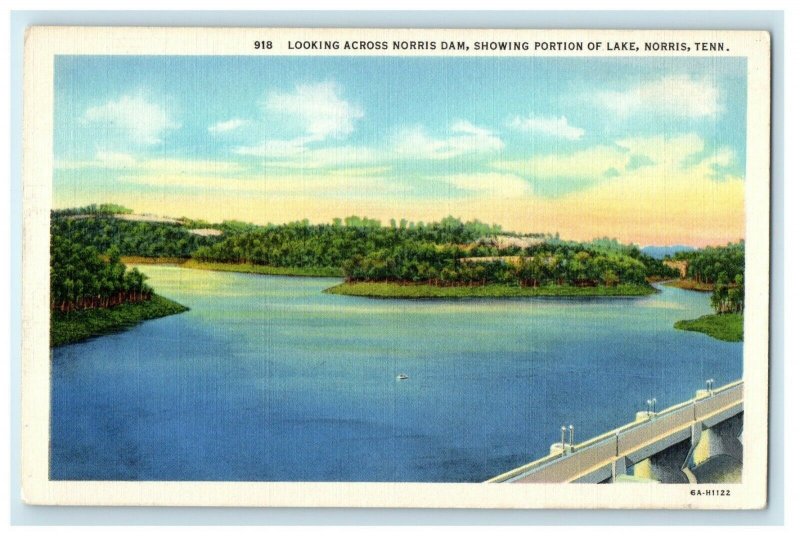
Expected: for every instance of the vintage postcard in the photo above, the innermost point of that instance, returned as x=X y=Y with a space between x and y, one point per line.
x=396 y=268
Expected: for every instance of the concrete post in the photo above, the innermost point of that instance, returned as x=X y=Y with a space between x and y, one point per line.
x=697 y=430
x=690 y=461
x=571 y=438
x=619 y=467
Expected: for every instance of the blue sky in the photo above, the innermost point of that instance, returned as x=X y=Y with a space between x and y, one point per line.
x=537 y=144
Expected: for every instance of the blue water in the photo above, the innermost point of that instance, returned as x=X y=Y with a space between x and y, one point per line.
x=269 y=379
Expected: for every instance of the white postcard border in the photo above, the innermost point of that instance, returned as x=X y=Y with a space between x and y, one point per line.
x=44 y=43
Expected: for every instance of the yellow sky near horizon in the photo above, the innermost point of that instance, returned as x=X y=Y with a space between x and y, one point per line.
x=694 y=213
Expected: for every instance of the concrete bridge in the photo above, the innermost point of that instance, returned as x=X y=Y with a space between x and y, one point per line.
x=666 y=446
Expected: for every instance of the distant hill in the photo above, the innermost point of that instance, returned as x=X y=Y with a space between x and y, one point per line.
x=659 y=252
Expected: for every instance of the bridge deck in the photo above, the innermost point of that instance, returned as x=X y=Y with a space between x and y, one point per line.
x=591 y=460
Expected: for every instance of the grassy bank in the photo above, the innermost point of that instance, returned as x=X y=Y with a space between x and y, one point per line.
x=76 y=326
x=152 y=260
x=263 y=270
x=244 y=268
x=727 y=327
x=690 y=284
x=411 y=291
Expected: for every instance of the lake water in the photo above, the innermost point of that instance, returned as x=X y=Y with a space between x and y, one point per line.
x=269 y=379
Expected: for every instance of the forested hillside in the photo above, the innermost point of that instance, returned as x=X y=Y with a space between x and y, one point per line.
x=331 y=246
x=81 y=279
x=539 y=265
x=722 y=267
x=444 y=253
x=130 y=238
x=102 y=209
x=449 y=252
x=93 y=293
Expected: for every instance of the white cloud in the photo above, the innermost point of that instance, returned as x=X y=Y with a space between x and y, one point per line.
x=671 y=151
x=190 y=166
x=319 y=113
x=320 y=185
x=718 y=164
x=490 y=184
x=588 y=165
x=134 y=117
x=177 y=166
x=557 y=127
x=415 y=143
x=114 y=160
x=465 y=127
x=464 y=139
x=679 y=95
x=723 y=157
x=297 y=154
x=274 y=149
x=317 y=108
x=636 y=157
x=227 y=126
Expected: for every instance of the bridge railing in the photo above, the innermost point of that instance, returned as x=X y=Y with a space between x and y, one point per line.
x=561 y=467
x=657 y=426
x=726 y=396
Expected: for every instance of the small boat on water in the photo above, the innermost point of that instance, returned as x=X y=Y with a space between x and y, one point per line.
x=402 y=377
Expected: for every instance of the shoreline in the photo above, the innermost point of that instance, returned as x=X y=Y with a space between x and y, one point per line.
x=78 y=326
x=423 y=291
x=728 y=327
x=246 y=268
x=689 y=284
x=134 y=259
x=242 y=268
x=396 y=290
